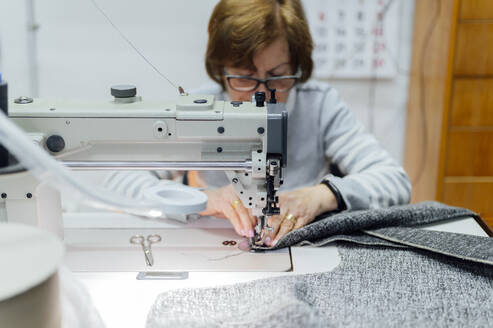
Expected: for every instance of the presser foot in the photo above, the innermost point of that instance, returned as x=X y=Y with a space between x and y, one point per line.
x=261 y=231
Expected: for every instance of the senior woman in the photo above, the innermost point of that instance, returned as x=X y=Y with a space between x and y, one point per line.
x=259 y=45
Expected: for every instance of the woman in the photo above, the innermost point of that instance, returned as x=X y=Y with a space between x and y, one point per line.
x=251 y=41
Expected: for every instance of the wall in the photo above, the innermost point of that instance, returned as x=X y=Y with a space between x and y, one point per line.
x=79 y=55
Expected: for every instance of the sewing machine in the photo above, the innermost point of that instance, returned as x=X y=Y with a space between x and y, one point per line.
x=194 y=140
x=246 y=140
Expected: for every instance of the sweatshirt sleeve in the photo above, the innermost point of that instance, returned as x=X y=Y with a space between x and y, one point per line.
x=371 y=177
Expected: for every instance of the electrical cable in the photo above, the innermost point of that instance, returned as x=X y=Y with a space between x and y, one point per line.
x=179 y=88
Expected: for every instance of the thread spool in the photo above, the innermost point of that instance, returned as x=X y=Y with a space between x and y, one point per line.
x=29 y=286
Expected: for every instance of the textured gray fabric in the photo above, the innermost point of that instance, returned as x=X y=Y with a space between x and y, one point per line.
x=466 y=247
x=353 y=221
x=373 y=287
x=391 y=227
x=355 y=238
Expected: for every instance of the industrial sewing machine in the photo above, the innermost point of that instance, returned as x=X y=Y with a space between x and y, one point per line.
x=246 y=140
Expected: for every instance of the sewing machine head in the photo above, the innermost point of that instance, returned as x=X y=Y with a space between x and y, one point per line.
x=246 y=140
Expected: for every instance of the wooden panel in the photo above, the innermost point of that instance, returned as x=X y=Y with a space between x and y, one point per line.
x=430 y=83
x=469 y=154
x=474 y=52
x=476 y=9
x=472 y=103
x=473 y=195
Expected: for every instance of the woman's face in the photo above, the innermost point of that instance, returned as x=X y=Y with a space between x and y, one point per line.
x=272 y=61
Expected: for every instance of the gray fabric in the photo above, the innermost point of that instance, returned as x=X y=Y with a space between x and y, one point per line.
x=373 y=287
x=348 y=222
x=391 y=227
x=466 y=247
x=324 y=132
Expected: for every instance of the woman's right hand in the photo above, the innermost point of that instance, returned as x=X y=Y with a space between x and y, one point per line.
x=224 y=203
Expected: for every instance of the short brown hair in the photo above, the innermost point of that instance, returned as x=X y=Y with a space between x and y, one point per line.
x=237 y=28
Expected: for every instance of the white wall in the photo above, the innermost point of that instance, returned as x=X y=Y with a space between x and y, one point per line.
x=13 y=50
x=387 y=119
x=80 y=55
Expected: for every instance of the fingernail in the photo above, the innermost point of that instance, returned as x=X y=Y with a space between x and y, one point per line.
x=275 y=242
x=267 y=241
x=243 y=233
x=250 y=233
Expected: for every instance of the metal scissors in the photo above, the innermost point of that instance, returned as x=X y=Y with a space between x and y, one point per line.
x=146 y=245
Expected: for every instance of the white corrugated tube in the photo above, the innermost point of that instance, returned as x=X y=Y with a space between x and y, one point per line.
x=154 y=202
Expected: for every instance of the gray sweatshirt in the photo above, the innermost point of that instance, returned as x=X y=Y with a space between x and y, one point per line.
x=322 y=133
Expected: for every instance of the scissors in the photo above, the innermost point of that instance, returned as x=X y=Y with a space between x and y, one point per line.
x=146 y=245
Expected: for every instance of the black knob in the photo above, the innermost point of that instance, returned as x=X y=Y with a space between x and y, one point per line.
x=55 y=143
x=260 y=98
x=273 y=99
x=124 y=91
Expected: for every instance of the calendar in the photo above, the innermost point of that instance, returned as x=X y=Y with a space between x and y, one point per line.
x=354 y=38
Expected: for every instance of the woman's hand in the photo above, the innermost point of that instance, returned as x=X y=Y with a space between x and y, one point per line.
x=224 y=203
x=298 y=208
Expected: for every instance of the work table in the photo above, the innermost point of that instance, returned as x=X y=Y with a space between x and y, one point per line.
x=124 y=301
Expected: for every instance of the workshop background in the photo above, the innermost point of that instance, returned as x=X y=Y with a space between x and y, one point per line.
x=73 y=52
x=413 y=75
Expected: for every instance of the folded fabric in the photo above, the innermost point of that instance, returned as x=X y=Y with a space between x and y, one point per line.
x=396 y=226
x=372 y=287
x=445 y=281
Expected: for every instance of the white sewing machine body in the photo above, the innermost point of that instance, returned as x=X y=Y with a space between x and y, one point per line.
x=246 y=140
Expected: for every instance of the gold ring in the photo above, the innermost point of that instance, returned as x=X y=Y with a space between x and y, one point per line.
x=291 y=217
x=235 y=203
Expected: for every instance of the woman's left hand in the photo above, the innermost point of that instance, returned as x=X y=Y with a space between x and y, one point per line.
x=298 y=208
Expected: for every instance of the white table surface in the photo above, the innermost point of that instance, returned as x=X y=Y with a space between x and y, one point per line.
x=124 y=301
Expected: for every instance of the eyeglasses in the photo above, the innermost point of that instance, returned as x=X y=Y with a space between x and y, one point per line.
x=248 y=83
